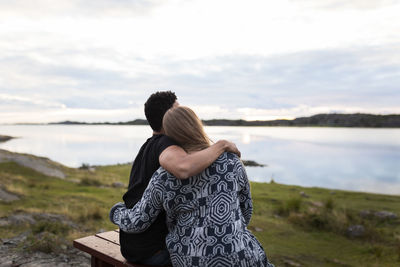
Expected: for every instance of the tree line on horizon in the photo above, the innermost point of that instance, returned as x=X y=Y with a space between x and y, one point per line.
x=322 y=120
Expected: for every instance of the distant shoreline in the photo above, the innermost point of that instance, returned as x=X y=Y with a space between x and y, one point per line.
x=320 y=120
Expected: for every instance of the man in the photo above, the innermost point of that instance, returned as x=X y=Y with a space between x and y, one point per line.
x=149 y=247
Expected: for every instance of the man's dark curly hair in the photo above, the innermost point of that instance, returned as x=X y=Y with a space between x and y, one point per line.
x=156 y=106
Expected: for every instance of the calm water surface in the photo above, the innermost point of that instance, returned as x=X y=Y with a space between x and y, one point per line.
x=343 y=158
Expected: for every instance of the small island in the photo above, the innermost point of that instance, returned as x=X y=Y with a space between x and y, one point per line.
x=252 y=163
x=4 y=138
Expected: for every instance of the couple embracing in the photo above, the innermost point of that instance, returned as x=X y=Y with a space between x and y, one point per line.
x=188 y=202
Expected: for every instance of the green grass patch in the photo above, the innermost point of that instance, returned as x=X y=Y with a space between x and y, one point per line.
x=56 y=228
x=89 y=182
x=308 y=230
x=312 y=231
x=46 y=242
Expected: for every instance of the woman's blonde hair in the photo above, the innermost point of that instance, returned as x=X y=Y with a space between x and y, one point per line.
x=183 y=125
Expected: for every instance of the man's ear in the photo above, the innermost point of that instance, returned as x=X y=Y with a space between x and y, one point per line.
x=176 y=104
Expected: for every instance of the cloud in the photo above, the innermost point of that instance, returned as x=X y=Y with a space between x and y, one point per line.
x=177 y=29
x=261 y=60
x=253 y=87
x=45 y=115
x=330 y=77
x=78 y=8
x=7 y=100
x=335 y=5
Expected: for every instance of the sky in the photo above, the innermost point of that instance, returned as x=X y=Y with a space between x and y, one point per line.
x=256 y=59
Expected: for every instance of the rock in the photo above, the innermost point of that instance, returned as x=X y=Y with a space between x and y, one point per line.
x=54 y=218
x=313 y=210
x=365 y=213
x=7 y=196
x=317 y=204
x=39 y=164
x=385 y=215
x=9 y=243
x=22 y=218
x=355 y=231
x=32 y=218
x=252 y=163
x=11 y=257
x=4 y=138
x=337 y=262
x=303 y=194
x=16 y=239
x=7 y=264
x=118 y=184
x=258 y=229
x=291 y=263
x=49 y=217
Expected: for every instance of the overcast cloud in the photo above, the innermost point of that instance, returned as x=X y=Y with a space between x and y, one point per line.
x=100 y=60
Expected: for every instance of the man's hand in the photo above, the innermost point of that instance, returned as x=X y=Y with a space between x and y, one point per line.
x=230 y=147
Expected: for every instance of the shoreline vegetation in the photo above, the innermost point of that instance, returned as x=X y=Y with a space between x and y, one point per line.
x=319 y=120
x=297 y=226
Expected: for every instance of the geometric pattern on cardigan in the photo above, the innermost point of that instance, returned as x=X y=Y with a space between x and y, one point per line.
x=207 y=216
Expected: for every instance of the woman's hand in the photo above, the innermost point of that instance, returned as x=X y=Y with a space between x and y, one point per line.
x=230 y=147
x=114 y=215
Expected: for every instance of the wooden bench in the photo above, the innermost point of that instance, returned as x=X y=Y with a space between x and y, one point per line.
x=104 y=249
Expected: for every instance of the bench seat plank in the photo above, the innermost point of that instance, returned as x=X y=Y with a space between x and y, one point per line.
x=112 y=236
x=103 y=250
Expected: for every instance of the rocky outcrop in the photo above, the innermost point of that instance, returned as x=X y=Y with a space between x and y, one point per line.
x=4 y=138
x=7 y=196
x=118 y=185
x=252 y=163
x=42 y=165
x=355 y=231
x=44 y=244
x=381 y=215
x=32 y=218
x=12 y=255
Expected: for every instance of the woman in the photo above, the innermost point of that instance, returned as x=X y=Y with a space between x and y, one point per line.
x=207 y=214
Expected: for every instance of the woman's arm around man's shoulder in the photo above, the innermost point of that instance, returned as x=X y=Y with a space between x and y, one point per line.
x=183 y=165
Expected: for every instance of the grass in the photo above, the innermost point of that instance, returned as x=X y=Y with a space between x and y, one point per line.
x=309 y=231
x=89 y=182
x=46 y=242
x=84 y=204
x=292 y=205
x=315 y=235
x=56 y=228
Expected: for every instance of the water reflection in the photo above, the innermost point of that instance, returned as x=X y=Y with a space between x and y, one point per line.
x=343 y=158
x=246 y=138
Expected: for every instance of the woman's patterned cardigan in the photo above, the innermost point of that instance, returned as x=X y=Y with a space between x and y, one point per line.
x=207 y=216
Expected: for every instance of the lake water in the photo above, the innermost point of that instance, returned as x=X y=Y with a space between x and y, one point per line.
x=343 y=158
